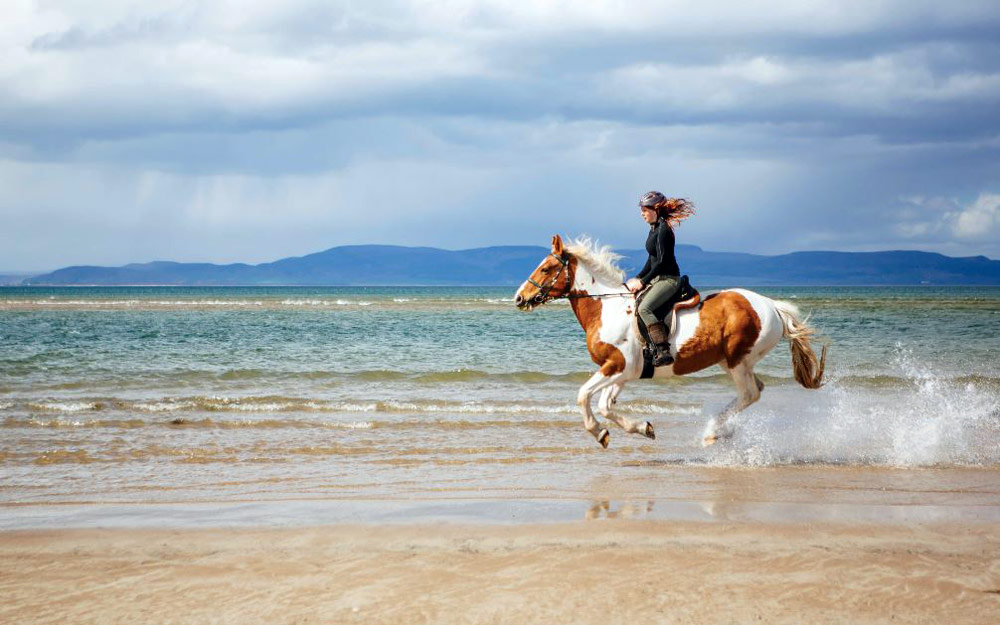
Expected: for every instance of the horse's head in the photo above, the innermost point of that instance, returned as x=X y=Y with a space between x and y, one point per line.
x=551 y=279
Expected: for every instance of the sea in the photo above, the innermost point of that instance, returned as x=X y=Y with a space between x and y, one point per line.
x=228 y=406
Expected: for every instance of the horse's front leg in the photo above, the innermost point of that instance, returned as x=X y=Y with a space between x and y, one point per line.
x=605 y=405
x=597 y=382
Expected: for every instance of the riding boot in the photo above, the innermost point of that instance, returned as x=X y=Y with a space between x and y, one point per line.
x=661 y=344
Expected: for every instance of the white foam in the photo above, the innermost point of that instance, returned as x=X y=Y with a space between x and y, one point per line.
x=137 y=302
x=324 y=302
x=357 y=425
x=251 y=404
x=163 y=406
x=347 y=302
x=354 y=407
x=303 y=302
x=63 y=406
x=261 y=404
x=49 y=423
x=271 y=406
x=527 y=409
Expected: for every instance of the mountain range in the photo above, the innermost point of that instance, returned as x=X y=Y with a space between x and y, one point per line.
x=374 y=265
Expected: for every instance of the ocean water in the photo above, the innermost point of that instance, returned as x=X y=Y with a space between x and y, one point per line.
x=213 y=397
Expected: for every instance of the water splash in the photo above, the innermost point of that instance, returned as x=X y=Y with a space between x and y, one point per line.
x=932 y=421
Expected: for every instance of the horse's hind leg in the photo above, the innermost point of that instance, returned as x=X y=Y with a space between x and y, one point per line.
x=605 y=405
x=748 y=387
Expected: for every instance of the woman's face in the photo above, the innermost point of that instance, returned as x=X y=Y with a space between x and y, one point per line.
x=648 y=215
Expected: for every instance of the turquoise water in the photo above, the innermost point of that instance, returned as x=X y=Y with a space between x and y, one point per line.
x=138 y=395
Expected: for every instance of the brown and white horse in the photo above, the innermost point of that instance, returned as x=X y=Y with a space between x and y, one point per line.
x=733 y=329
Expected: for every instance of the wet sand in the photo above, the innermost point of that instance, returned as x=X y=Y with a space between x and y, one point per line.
x=606 y=571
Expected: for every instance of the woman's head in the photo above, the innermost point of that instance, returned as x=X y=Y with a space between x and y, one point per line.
x=654 y=205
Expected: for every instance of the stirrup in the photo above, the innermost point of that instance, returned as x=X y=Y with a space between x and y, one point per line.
x=661 y=355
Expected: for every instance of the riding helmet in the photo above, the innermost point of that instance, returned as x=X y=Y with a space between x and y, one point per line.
x=651 y=199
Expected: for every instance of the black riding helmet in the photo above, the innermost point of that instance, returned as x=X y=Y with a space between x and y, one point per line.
x=652 y=199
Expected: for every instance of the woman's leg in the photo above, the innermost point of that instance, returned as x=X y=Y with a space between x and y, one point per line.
x=661 y=290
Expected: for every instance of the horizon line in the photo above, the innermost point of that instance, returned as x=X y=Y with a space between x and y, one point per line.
x=33 y=273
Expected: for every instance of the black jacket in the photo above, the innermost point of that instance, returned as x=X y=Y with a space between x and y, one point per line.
x=660 y=246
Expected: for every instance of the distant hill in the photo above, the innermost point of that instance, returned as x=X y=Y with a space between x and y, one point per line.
x=373 y=265
x=14 y=279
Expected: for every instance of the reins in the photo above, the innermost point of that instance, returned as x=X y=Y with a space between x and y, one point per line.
x=595 y=295
x=545 y=289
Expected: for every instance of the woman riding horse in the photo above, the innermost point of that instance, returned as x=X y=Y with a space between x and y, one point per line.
x=733 y=329
x=661 y=273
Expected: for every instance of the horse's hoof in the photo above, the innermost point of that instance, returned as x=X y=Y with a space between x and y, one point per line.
x=649 y=433
x=722 y=435
x=603 y=438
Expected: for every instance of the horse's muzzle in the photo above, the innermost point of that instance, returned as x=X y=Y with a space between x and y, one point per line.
x=524 y=303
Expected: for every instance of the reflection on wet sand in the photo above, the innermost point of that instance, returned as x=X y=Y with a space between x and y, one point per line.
x=605 y=509
x=797 y=493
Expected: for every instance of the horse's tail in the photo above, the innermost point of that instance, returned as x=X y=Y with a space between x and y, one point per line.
x=808 y=370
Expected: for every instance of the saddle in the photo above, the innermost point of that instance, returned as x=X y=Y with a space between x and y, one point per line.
x=686 y=297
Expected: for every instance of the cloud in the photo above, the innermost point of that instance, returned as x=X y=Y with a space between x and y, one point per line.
x=949 y=223
x=100 y=70
x=980 y=221
x=248 y=130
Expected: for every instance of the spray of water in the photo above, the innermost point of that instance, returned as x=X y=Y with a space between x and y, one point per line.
x=929 y=421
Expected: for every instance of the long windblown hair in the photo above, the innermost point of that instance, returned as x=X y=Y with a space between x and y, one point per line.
x=674 y=210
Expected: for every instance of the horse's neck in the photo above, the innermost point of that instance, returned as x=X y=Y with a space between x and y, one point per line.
x=589 y=310
x=586 y=282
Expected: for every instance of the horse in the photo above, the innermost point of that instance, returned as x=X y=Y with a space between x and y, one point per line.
x=733 y=329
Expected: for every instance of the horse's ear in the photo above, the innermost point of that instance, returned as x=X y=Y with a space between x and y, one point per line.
x=557 y=245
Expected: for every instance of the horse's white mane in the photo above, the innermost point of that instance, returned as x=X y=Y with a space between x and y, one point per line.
x=600 y=260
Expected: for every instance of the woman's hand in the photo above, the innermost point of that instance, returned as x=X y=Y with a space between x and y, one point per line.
x=634 y=285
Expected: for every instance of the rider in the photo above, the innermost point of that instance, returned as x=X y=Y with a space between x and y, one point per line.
x=661 y=271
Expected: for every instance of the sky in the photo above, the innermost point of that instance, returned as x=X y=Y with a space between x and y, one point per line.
x=247 y=131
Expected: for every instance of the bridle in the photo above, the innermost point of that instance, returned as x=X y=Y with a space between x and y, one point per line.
x=545 y=289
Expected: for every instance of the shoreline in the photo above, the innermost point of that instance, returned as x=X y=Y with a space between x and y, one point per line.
x=621 y=571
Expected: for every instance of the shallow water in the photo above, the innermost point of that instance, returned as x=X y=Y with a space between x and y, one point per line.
x=132 y=396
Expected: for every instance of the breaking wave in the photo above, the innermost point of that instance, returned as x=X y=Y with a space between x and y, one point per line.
x=272 y=404
x=182 y=303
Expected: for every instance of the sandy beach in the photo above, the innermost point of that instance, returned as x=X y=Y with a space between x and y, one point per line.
x=608 y=571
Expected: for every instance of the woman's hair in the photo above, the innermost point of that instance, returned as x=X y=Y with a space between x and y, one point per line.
x=674 y=210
